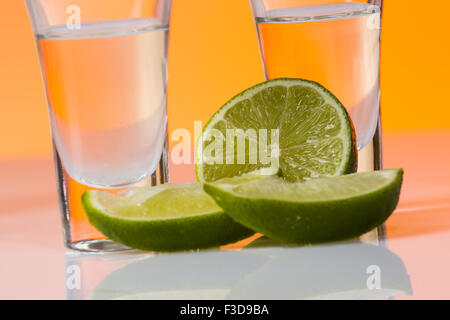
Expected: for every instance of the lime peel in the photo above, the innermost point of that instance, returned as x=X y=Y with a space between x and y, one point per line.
x=173 y=218
x=319 y=210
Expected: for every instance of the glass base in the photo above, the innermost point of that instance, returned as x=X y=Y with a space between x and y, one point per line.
x=78 y=233
x=97 y=246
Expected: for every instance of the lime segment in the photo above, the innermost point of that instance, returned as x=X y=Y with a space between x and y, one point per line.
x=163 y=218
x=315 y=136
x=319 y=210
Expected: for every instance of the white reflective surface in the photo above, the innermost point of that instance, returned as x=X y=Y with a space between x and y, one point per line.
x=344 y=271
x=412 y=263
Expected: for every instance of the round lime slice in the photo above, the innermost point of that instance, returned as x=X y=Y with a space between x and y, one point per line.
x=163 y=218
x=318 y=210
x=301 y=127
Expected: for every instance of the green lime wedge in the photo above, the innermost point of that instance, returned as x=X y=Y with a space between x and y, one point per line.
x=306 y=132
x=163 y=218
x=318 y=210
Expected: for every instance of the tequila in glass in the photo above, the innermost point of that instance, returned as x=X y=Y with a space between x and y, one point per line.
x=104 y=66
x=335 y=44
x=107 y=99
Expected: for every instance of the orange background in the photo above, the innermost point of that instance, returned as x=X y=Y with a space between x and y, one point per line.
x=214 y=54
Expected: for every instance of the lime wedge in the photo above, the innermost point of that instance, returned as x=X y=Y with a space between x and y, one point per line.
x=163 y=218
x=315 y=134
x=319 y=210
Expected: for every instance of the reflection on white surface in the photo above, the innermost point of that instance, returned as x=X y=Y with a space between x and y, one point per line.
x=33 y=267
x=340 y=271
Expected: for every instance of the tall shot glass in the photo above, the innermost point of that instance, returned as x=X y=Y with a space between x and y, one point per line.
x=335 y=43
x=104 y=64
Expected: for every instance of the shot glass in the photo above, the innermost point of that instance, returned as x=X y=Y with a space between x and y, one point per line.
x=335 y=43
x=104 y=64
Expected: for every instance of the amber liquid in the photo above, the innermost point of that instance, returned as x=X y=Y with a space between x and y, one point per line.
x=336 y=45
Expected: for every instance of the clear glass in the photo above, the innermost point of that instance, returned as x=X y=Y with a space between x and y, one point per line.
x=335 y=43
x=104 y=64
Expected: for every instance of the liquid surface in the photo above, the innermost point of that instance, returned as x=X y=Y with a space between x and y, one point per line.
x=336 y=45
x=106 y=86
